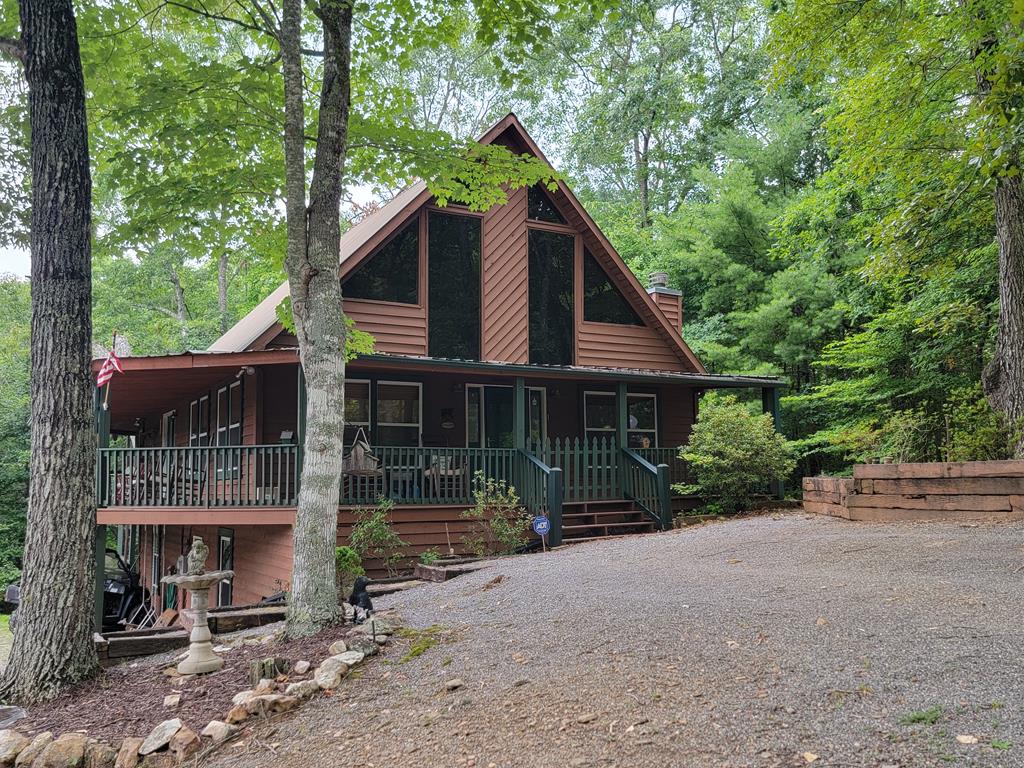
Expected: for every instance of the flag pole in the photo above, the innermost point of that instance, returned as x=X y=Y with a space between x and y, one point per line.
x=106 y=387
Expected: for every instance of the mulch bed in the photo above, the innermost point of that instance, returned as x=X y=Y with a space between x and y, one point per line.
x=128 y=699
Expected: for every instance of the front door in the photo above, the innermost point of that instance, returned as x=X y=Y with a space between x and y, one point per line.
x=490 y=418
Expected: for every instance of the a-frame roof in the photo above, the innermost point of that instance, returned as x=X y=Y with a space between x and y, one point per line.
x=362 y=238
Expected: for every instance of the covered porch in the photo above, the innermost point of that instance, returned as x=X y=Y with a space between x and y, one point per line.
x=223 y=432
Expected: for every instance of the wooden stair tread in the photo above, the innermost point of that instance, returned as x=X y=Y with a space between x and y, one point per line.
x=597 y=515
x=636 y=524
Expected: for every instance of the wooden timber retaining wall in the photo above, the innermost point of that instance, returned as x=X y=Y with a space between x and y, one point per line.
x=969 y=490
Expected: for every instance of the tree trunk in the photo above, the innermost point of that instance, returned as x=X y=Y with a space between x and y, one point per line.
x=180 y=308
x=313 y=255
x=222 y=291
x=53 y=647
x=1004 y=375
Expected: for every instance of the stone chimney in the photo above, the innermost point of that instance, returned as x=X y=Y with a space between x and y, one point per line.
x=669 y=300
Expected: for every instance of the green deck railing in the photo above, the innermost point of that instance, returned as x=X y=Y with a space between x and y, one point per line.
x=648 y=486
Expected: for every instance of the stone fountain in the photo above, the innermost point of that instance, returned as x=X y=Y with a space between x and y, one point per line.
x=197 y=581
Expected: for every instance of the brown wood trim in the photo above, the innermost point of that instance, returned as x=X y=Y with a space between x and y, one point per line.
x=225 y=516
x=206 y=360
x=549 y=226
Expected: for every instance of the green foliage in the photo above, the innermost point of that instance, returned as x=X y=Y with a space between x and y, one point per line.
x=501 y=523
x=14 y=422
x=429 y=556
x=348 y=565
x=733 y=453
x=373 y=536
x=929 y=716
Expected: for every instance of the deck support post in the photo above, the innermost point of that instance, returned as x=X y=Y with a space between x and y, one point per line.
x=519 y=414
x=770 y=404
x=100 y=537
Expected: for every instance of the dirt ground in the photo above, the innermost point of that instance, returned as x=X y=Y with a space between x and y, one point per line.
x=783 y=640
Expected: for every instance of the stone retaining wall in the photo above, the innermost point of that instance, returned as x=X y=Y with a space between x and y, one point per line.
x=969 y=490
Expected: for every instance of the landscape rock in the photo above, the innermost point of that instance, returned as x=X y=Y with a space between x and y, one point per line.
x=330 y=672
x=172 y=700
x=159 y=760
x=363 y=644
x=160 y=736
x=275 y=702
x=338 y=646
x=454 y=684
x=301 y=667
x=218 y=731
x=28 y=755
x=374 y=626
x=351 y=658
x=11 y=744
x=128 y=754
x=99 y=755
x=242 y=698
x=184 y=744
x=67 y=751
x=302 y=689
x=264 y=687
x=237 y=714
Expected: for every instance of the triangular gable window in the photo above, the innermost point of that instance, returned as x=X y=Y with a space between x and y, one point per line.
x=540 y=207
x=602 y=301
x=390 y=274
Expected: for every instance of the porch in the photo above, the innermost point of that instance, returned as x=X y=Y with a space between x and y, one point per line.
x=225 y=438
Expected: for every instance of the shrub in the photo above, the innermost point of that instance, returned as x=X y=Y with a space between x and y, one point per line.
x=430 y=556
x=733 y=454
x=501 y=524
x=975 y=432
x=347 y=567
x=373 y=536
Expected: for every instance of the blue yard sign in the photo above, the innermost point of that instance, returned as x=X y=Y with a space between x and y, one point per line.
x=541 y=525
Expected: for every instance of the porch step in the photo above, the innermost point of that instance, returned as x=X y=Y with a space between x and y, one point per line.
x=586 y=521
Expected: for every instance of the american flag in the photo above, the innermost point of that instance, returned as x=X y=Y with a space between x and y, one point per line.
x=110 y=365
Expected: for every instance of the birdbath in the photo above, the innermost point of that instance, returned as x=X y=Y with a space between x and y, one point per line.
x=201 y=658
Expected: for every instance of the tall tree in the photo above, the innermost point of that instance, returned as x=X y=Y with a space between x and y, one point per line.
x=53 y=647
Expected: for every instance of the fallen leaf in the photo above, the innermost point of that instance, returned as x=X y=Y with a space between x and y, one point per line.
x=734 y=561
x=810 y=757
x=822 y=621
x=967 y=739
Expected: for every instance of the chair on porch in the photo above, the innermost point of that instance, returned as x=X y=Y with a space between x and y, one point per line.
x=445 y=477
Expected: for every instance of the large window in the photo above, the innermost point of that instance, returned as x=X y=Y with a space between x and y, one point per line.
x=641 y=418
x=602 y=301
x=454 y=286
x=357 y=409
x=392 y=273
x=398 y=413
x=551 y=297
x=199 y=422
x=229 y=426
x=540 y=207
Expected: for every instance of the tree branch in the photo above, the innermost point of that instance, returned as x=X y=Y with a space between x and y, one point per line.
x=13 y=48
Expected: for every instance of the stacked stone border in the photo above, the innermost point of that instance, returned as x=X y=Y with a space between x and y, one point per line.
x=971 y=490
x=172 y=743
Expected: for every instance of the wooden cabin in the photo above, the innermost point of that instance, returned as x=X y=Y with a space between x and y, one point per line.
x=515 y=343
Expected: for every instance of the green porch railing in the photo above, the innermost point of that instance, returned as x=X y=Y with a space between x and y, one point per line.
x=540 y=490
x=678 y=471
x=414 y=475
x=648 y=486
x=206 y=476
x=590 y=468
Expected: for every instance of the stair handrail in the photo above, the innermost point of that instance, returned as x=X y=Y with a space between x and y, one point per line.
x=545 y=496
x=657 y=500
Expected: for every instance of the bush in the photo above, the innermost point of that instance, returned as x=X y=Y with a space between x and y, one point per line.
x=501 y=524
x=373 y=536
x=347 y=567
x=430 y=556
x=733 y=454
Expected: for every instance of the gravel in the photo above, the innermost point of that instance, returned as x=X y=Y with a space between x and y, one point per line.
x=780 y=640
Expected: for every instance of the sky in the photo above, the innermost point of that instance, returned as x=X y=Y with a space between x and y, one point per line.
x=15 y=261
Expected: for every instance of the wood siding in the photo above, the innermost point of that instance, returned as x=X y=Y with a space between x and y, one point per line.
x=398 y=329
x=624 y=346
x=505 y=302
x=672 y=307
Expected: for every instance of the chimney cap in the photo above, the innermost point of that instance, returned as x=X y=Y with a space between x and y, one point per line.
x=657 y=280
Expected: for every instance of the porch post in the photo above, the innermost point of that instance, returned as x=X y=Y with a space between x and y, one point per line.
x=300 y=428
x=621 y=434
x=100 y=534
x=770 y=404
x=519 y=413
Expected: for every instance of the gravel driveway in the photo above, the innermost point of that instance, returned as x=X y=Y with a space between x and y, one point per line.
x=782 y=640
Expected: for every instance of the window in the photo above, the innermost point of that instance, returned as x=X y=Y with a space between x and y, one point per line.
x=167 y=424
x=489 y=416
x=454 y=286
x=540 y=207
x=642 y=415
x=599 y=415
x=199 y=421
x=390 y=274
x=225 y=562
x=357 y=409
x=551 y=297
x=229 y=425
x=602 y=301
x=398 y=413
